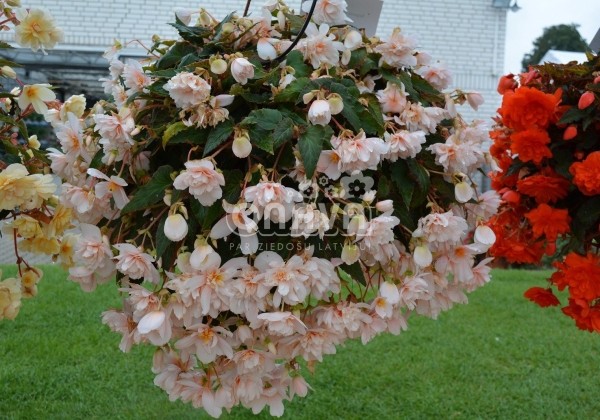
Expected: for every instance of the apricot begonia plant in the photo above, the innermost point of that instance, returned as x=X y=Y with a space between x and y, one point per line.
x=258 y=212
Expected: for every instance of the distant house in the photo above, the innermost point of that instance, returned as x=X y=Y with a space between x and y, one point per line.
x=563 y=57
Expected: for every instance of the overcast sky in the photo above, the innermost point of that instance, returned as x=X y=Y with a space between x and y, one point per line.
x=528 y=23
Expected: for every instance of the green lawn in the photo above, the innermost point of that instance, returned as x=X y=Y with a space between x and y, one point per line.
x=498 y=357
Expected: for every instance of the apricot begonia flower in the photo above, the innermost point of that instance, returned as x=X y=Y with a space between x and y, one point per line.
x=438 y=76
x=188 y=90
x=19 y=189
x=113 y=187
x=10 y=298
x=176 y=228
x=203 y=181
x=135 y=77
x=319 y=112
x=359 y=153
x=475 y=99
x=319 y=47
x=398 y=50
x=242 y=70
x=272 y=200
x=332 y=12
x=136 y=264
x=393 y=98
x=237 y=218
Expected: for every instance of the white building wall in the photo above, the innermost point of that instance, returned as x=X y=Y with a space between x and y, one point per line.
x=467 y=35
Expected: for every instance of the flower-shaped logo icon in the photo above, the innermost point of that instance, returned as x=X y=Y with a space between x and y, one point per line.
x=357 y=185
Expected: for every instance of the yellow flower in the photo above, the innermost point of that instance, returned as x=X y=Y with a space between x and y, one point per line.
x=29 y=292
x=37 y=96
x=16 y=187
x=75 y=104
x=40 y=245
x=37 y=30
x=26 y=226
x=63 y=216
x=31 y=277
x=8 y=72
x=33 y=142
x=67 y=250
x=10 y=298
x=44 y=186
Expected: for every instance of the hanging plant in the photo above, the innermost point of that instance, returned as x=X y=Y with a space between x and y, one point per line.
x=267 y=188
x=546 y=142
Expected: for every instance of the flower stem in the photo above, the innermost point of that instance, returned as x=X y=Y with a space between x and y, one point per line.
x=247 y=8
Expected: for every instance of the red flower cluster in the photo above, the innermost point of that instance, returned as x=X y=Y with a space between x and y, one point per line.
x=547 y=146
x=586 y=174
x=525 y=108
x=581 y=274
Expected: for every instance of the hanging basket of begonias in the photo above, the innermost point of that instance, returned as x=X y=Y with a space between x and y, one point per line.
x=259 y=211
x=29 y=214
x=547 y=144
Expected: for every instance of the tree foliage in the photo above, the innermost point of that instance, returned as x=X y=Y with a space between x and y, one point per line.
x=557 y=37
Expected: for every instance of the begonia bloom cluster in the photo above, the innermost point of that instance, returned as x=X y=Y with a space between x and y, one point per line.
x=547 y=147
x=273 y=212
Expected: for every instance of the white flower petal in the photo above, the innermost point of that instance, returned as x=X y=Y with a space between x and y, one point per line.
x=266 y=51
x=485 y=235
x=151 y=321
x=241 y=147
x=463 y=192
x=222 y=101
x=264 y=260
x=390 y=292
x=422 y=256
x=176 y=228
x=97 y=174
x=223 y=228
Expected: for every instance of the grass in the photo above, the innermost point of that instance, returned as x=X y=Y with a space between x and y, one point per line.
x=498 y=357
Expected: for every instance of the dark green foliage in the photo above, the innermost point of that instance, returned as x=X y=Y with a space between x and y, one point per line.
x=174 y=55
x=152 y=192
x=218 y=136
x=311 y=145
